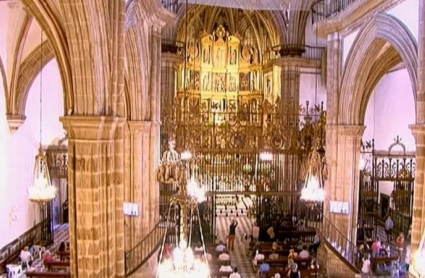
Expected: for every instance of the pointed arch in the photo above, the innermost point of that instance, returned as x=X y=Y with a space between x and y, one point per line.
x=364 y=54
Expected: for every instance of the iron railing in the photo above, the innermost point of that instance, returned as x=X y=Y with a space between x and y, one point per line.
x=323 y=9
x=333 y=237
x=295 y=50
x=143 y=251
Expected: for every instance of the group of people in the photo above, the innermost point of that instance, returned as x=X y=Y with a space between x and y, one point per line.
x=28 y=255
x=380 y=249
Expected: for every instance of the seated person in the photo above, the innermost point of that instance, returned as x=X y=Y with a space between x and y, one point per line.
x=274 y=255
x=264 y=269
x=270 y=232
x=199 y=247
x=224 y=256
x=220 y=247
x=226 y=268
x=258 y=257
x=304 y=254
x=208 y=256
x=235 y=273
x=47 y=257
x=274 y=245
x=30 y=268
x=25 y=255
x=300 y=246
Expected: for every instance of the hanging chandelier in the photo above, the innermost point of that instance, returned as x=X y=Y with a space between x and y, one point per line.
x=313 y=191
x=182 y=263
x=42 y=191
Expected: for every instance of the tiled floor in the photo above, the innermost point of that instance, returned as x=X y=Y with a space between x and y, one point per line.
x=239 y=256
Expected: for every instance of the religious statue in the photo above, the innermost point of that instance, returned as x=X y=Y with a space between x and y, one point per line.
x=206 y=82
x=168 y=171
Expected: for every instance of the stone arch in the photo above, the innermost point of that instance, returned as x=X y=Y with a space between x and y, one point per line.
x=362 y=70
x=50 y=25
x=28 y=71
x=138 y=61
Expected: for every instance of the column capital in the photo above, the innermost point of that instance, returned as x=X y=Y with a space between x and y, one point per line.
x=15 y=122
x=92 y=128
x=139 y=126
x=347 y=130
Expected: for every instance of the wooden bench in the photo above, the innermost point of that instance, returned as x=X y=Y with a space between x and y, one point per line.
x=218 y=274
x=383 y=261
x=283 y=261
x=283 y=273
x=56 y=265
x=48 y=274
x=63 y=255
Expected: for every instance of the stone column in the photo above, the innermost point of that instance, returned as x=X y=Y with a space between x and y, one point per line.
x=418 y=130
x=95 y=180
x=334 y=71
x=169 y=67
x=137 y=162
x=343 y=157
x=154 y=142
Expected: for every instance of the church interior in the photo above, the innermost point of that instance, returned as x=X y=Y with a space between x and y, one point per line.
x=212 y=138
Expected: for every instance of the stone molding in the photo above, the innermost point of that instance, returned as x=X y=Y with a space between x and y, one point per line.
x=15 y=121
x=353 y=16
x=92 y=128
x=361 y=59
x=139 y=126
x=347 y=130
x=172 y=59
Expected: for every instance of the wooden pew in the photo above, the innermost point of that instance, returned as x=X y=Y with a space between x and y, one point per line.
x=63 y=255
x=383 y=261
x=283 y=261
x=56 y=265
x=304 y=272
x=48 y=274
x=218 y=274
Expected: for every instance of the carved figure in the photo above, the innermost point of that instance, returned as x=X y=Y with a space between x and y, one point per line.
x=168 y=171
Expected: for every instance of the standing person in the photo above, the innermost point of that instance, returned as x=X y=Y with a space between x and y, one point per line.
x=389 y=225
x=366 y=265
x=400 y=244
x=255 y=232
x=232 y=235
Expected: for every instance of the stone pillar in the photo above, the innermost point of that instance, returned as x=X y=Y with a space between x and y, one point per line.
x=169 y=66
x=418 y=130
x=343 y=157
x=334 y=71
x=154 y=142
x=137 y=162
x=96 y=192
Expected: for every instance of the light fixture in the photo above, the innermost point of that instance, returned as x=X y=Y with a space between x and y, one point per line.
x=313 y=192
x=266 y=156
x=42 y=190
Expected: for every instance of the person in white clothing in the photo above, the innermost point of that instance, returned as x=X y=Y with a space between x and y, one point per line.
x=304 y=254
x=25 y=255
x=366 y=265
x=235 y=273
